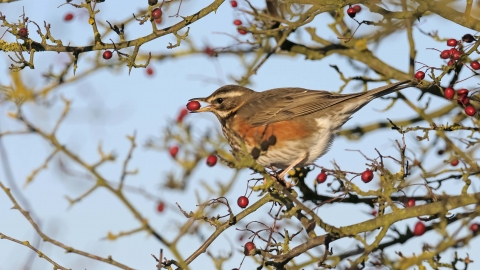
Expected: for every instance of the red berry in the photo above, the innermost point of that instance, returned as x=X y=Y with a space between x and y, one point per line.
x=367 y=176
x=463 y=100
x=233 y=3
x=449 y=93
x=451 y=62
x=160 y=207
x=452 y=42
x=242 y=201
x=357 y=8
x=410 y=202
x=475 y=227
x=445 y=54
x=470 y=110
x=468 y=38
x=211 y=160
x=68 y=17
x=351 y=12
x=173 y=151
x=157 y=13
x=193 y=105
x=454 y=162
x=182 y=115
x=419 y=229
x=455 y=54
x=463 y=92
x=149 y=71
x=237 y=22
x=321 y=177
x=249 y=249
x=209 y=51
x=107 y=54
x=158 y=21
x=475 y=65
x=242 y=32
x=420 y=75
x=23 y=32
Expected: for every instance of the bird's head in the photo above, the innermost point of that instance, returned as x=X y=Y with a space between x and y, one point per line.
x=225 y=100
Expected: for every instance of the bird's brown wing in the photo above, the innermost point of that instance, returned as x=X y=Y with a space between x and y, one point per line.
x=285 y=103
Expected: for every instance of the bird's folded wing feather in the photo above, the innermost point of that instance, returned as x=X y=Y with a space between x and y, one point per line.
x=286 y=103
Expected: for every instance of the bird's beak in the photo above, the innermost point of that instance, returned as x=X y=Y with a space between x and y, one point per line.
x=207 y=108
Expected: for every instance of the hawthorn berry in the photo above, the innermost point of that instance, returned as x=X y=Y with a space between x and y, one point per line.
x=475 y=227
x=233 y=3
x=357 y=8
x=468 y=38
x=321 y=177
x=452 y=42
x=211 y=160
x=451 y=62
x=173 y=150
x=157 y=13
x=445 y=54
x=149 y=71
x=152 y=2
x=193 y=105
x=367 y=176
x=158 y=21
x=351 y=12
x=470 y=110
x=242 y=201
x=181 y=115
x=455 y=54
x=107 y=54
x=410 y=202
x=449 y=93
x=237 y=22
x=463 y=100
x=454 y=162
x=209 y=51
x=23 y=32
x=160 y=207
x=419 y=229
x=242 y=31
x=68 y=17
x=249 y=249
x=463 y=92
x=475 y=65
x=420 y=75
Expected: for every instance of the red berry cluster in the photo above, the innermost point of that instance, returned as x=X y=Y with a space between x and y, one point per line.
x=462 y=99
x=366 y=177
x=353 y=10
x=453 y=53
x=157 y=15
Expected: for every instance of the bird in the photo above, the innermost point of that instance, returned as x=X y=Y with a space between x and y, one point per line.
x=289 y=127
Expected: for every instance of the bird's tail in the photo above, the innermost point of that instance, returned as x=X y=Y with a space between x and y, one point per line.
x=387 y=89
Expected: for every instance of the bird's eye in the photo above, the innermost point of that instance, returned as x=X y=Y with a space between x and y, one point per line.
x=219 y=100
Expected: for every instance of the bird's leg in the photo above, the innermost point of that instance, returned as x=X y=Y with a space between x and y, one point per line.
x=281 y=176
